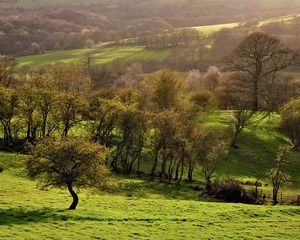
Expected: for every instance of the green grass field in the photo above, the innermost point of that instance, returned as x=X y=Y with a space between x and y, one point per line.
x=258 y=145
x=28 y=212
x=100 y=55
x=137 y=208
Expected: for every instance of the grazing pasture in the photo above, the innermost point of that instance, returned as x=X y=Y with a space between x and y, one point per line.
x=28 y=212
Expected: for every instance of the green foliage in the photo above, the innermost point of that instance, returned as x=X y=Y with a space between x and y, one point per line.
x=290 y=121
x=68 y=163
x=8 y=110
x=167 y=90
x=67 y=160
x=257 y=148
x=208 y=148
x=278 y=174
x=204 y=101
x=240 y=120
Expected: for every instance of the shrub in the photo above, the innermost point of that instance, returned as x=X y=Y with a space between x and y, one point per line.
x=204 y=101
x=1 y=169
x=231 y=191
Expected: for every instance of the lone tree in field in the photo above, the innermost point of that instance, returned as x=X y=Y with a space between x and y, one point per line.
x=278 y=174
x=68 y=163
x=261 y=57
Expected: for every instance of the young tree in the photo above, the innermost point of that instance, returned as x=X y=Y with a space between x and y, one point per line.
x=261 y=57
x=195 y=80
x=8 y=110
x=69 y=78
x=212 y=78
x=132 y=77
x=104 y=115
x=7 y=70
x=28 y=106
x=69 y=112
x=46 y=102
x=290 y=121
x=208 y=147
x=165 y=126
x=278 y=174
x=47 y=97
x=131 y=129
x=204 y=101
x=167 y=90
x=68 y=163
x=241 y=119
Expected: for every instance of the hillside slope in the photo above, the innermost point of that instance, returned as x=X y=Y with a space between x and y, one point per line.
x=107 y=52
x=28 y=212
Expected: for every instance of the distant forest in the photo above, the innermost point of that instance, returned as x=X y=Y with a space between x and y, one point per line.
x=33 y=27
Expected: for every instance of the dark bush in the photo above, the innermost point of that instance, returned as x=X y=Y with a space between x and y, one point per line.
x=231 y=191
x=1 y=169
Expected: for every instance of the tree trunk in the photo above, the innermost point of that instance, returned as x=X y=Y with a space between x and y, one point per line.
x=154 y=164
x=275 y=194
x=163 y=166
x=181 y=173
x=75 y=197
x=190 y=171
x=255 y=96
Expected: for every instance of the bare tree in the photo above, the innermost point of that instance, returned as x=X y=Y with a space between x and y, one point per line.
x=261 y=56
x=212 y=78
x=209 y=146
x=241 y=119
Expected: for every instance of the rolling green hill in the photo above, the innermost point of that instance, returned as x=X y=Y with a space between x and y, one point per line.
x=127 y=53
x=258 y=146
x=143 y=209
x=137 y=208
x=100 y=55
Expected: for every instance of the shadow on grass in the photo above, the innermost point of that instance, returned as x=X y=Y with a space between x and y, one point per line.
x=19 y=216
x=24 y=216
x=143 y=187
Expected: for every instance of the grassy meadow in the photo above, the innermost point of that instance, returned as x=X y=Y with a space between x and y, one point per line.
x=28 y=212
x=137 y=208
x=100 y=55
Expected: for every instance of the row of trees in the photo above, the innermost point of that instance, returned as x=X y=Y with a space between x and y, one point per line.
x=153 y=122
x=174 y=38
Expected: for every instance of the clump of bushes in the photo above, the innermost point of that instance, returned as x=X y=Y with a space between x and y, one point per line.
x=232 y=191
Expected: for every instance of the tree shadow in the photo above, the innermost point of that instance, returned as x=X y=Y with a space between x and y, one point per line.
x=144 y=187
x=23 y=216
